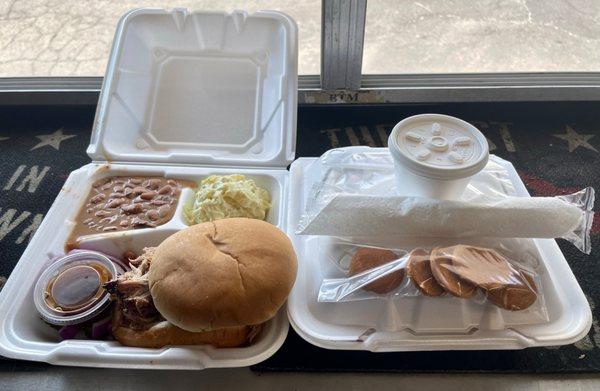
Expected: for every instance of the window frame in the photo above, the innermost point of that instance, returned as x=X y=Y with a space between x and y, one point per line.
x=341 y=80
x=375 y=89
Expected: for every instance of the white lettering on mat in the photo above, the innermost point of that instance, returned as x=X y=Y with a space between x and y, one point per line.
x=9 y=220
x=30 y=229
x=482 y=125
x=14 y=177
x=383 y=134
x=366 y=136
x=491 y=145
x=506 y=137
x=351 y=136
x=332 y=135
x=32 y=180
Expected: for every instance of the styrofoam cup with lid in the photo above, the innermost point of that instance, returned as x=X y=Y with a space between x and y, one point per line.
x=436 y=155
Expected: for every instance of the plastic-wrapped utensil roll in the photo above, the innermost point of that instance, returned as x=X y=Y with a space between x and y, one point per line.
x=568 y=217
x=357 y=195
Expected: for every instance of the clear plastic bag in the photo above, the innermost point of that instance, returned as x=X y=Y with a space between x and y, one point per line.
x=505 y=276
x=356 y=196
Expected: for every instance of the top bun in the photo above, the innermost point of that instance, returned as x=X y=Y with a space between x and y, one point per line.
x=225 y=273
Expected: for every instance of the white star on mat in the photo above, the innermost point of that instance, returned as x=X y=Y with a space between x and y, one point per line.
x=52 y=140
x=575 y=139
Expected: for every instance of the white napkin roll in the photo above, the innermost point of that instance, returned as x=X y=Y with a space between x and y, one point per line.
x=512 y=217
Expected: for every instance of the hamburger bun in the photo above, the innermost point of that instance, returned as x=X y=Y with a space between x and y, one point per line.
x=164 y=334
x=221 y=274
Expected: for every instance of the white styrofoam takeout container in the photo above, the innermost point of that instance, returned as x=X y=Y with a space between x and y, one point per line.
x=186 y=95
x=425 y=323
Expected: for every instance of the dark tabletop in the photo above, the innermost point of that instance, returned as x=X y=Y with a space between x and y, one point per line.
x=554 y=147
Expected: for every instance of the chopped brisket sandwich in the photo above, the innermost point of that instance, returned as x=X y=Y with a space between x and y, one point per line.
x=212 y=283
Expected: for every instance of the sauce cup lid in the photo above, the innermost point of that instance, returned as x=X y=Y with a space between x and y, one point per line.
x=73 y=283
x=439 y=146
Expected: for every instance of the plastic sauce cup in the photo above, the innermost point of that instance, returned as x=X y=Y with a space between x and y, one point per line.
x=436 y=155
x=70 y=290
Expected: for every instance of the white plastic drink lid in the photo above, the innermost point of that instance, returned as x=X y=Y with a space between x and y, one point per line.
x=70 y=290
x=439 y=146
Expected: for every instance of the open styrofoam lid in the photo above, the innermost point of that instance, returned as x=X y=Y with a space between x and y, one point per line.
x=199 y=88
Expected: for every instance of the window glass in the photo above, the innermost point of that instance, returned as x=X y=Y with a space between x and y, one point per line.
x=73 y=38
x=456 y=36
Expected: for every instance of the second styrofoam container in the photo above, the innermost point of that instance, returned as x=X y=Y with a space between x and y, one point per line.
x=424 y=323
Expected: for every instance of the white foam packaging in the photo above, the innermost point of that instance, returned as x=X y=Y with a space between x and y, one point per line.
x=426 y=323
x=186 y=95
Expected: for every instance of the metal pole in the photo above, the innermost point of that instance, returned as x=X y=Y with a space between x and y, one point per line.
x=342 y=37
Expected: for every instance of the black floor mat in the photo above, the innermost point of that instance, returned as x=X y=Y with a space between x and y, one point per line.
x=554 y=146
